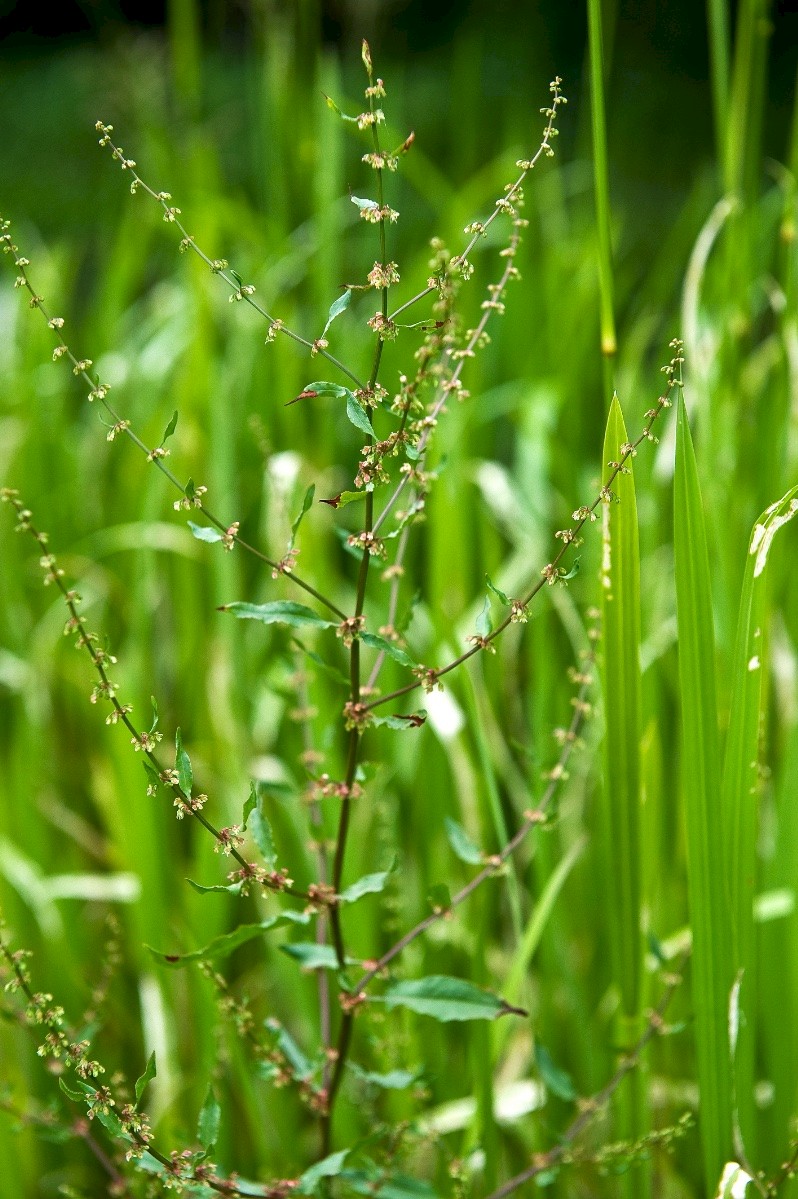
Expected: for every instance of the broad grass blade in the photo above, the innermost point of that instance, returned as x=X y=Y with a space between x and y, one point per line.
x=701 y=789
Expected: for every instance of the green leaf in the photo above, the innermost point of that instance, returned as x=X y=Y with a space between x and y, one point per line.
x=154 y=724
x=621 y=683
x=741 y=784
x=228 y=889
x=300 y=1065
x=323 y=389
x=462 y=844
x=306 y=505
x=204 y=532
x=170 y=428
x=707 y=872
x=146 y=1077
x=499 y=594
x=183 y=766
x=369 y=884
x=312 y=956
x=250 y=804
x=71 y=1092
x=332 y=105
x=375 y=641
x=224 y=945
x=261 y=833
x=208 y=1123
x=279 y=612
x=445 y=999
x=413 y=720
x=337 y=307
x=152 y=774
x=111 y=1123
x=345 y=497
x=555 y=1079
x=328 y=1167
x=392 y=1186
x=358 y=415
x=362 y=204
x=484 y=626
x=394 y=1080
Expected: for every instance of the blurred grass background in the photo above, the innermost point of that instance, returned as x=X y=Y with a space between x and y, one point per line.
x=223 y=107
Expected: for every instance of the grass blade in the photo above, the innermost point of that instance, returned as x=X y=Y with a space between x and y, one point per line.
x=701 y=786
x=621 y=685
x=741 y=784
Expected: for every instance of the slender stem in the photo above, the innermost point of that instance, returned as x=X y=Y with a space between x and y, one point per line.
x=544 y=148
x=551 y=573
x=592 y=1107
x=219 y=266
x=107 y=690
x=531 y=820
x=99 y=392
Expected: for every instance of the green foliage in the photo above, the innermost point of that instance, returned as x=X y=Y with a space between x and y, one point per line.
x=372 y=1047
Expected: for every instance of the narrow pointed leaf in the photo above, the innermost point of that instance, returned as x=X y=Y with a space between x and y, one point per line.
x=369 y=884
x=741 y=783
x=312 y=956
x=208 y=1123
x=306 y=505
x=462 y=844
x=337 y=307
x=704 y=818
x=222 y=946
x=375 y=641
x=555 y=1079
x=205 y=532
x=279 y=612
x=185 y=775
x=621 y=686
x=446 y=999
x=146 y=1077
x=170 y=428
x=328 y=1167
x=358 y=416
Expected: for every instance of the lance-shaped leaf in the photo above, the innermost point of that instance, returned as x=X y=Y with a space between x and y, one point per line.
x=413 y=720
x=369 y=884
x=336 y=308
x=299 y=1063
x=357 y=415
x=146 y=1077
x=279 y=612
x=170 y=428
x=259 y=827
x=208 y=1122
x=462 y=844
x=394 y=1080
x=185 y=775
x=375 y=641
x=446 y=999
x=223 y=946
x=328 y=1167
x=306 y=505
x=205 y=532
x=707 y=873
x=312 y=956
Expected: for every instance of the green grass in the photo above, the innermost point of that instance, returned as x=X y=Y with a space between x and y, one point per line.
x=516 y=459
